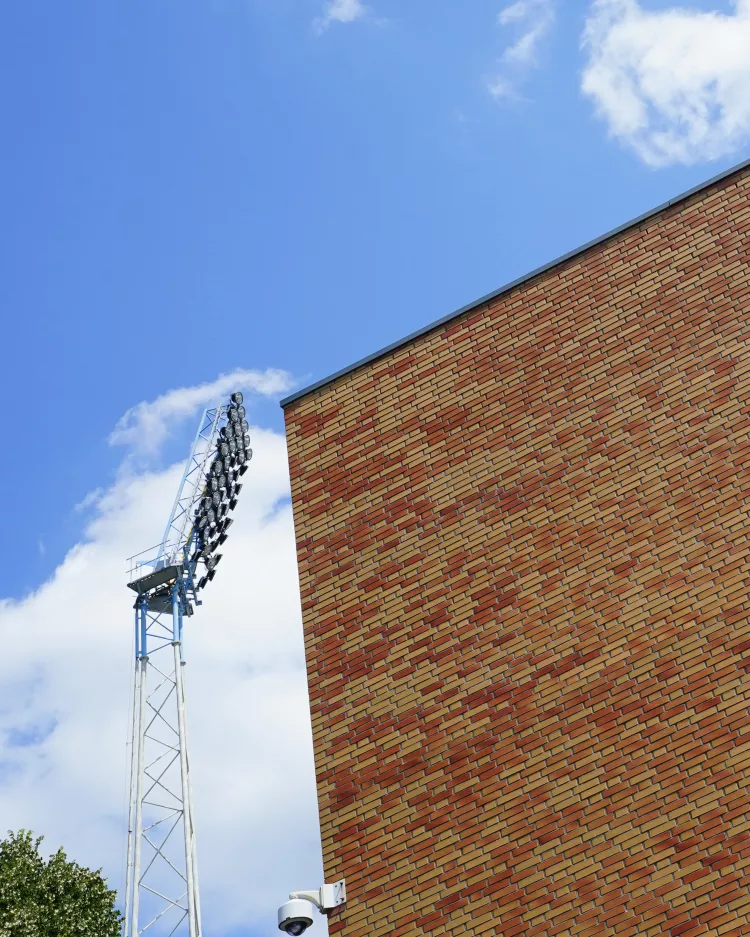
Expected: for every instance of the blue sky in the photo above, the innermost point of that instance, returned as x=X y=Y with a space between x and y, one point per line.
x=194 y=187
x=199 y=185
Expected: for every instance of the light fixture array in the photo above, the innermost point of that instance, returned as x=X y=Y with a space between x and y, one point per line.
x=221 y=491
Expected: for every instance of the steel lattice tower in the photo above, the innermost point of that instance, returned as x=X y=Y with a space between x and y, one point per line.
x=162 y=897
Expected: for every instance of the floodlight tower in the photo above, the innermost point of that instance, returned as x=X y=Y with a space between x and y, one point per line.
x=161 y=881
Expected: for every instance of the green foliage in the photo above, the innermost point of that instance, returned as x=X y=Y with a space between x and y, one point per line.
x=53 y=897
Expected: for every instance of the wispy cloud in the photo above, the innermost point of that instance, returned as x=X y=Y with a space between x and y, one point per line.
x=339 y=11
x=88 y=500
x=530 y=21
x=673 y=85
x=144 y=427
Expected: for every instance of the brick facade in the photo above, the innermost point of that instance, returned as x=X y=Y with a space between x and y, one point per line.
x=524 y=551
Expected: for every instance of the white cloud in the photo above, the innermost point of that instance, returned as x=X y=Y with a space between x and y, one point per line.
x=145 y=426
x=65 y=674
x=531 y=20
x=674 y=85
x=340 y=11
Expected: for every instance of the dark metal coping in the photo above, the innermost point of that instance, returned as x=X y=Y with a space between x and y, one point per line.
x=514 y=283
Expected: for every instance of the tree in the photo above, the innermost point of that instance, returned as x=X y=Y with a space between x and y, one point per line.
x=53 y=897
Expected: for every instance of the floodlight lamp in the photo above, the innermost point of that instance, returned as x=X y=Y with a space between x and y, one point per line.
x=227 y=524
x=222 y=481
x=224 y=450
x=211 y=575
x=237 y=490
x=243 y=468
x=232 y=504
x=248 y=454
x=222 y=539
x=216 y=499
x=201 y=583
x=233 y=415
x=202 y=521
x=241 y=413
x=211 y=516
x=217 y=467
x=232 y=445
x=237 y=398
x=245 y=426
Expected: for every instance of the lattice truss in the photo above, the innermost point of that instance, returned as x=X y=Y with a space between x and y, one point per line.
x=167 y=894
x=176 y=536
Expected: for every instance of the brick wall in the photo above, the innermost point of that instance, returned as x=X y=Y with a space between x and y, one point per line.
x=524 y=552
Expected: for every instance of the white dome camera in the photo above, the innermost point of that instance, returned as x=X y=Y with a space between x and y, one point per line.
x=295 y=916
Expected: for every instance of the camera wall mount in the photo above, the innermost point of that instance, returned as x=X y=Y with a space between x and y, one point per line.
x=325 y=898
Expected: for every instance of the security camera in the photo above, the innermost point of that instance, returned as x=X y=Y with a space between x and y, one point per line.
x=296 y=915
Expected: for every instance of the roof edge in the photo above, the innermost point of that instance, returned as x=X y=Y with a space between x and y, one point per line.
x=513 y=284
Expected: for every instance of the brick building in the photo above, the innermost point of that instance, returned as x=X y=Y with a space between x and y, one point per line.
x=524 y=549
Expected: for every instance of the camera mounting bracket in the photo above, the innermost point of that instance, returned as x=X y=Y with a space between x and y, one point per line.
x=325 y=898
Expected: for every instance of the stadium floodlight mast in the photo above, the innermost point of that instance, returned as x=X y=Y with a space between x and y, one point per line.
x=161 y=881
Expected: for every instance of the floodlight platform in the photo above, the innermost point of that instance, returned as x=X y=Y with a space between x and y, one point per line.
x=151 y=581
